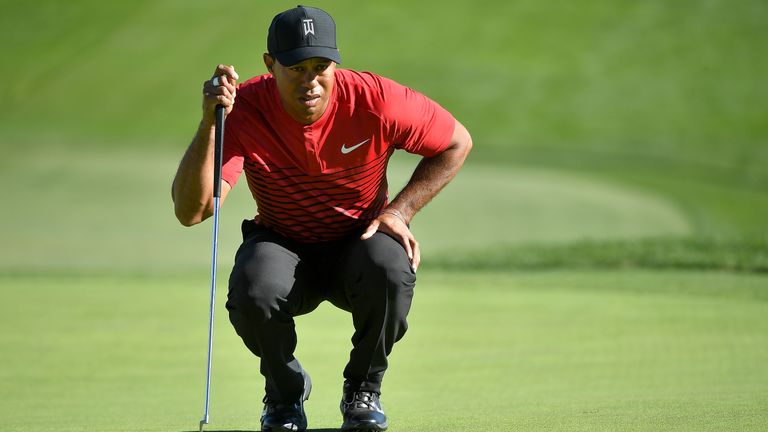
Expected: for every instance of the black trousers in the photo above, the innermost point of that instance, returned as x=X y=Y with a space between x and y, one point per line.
x=275 y=279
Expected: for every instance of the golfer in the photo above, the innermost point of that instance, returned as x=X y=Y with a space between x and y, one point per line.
x=314 y=141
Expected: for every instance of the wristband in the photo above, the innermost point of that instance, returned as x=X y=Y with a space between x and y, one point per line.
x=395 y=213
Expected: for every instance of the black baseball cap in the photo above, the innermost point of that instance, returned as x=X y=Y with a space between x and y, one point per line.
x=301 y=33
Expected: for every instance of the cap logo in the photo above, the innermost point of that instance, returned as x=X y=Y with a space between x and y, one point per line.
x=309 y=26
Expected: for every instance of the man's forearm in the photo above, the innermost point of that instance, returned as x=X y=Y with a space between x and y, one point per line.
x=192 y=189
x=432 y=174
x=430 y=177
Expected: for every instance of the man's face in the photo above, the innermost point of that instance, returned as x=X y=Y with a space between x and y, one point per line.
x=305 y=88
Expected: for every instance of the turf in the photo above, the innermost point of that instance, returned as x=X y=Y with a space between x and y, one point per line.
x=120 y=212
x=486 y=351
x=663 y=98
x=601 y=257
x=650 y=253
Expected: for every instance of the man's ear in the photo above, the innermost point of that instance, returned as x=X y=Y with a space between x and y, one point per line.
x=269 y=62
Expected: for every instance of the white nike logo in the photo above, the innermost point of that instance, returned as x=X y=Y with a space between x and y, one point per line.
x=345 y=149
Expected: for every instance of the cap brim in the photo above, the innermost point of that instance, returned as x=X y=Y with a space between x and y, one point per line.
x=290 y=58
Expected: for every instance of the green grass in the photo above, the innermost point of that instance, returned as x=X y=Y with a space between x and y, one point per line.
x=650 y=253
x=92 y=211
x=674 y=80
x=662 y=100
x=599 y=264
x=130 y=216
x=642 y=351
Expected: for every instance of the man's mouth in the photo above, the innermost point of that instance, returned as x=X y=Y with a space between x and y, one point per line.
x=309 y=101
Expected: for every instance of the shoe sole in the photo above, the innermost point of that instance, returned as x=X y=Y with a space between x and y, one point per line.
x=281 y=429
x=307 y=387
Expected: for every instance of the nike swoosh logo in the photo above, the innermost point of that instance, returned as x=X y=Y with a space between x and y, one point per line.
x=345 y=149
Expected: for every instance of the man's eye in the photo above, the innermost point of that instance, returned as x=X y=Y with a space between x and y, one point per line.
x=297 y=69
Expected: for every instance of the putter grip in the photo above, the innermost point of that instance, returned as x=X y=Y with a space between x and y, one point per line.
x=218 y=151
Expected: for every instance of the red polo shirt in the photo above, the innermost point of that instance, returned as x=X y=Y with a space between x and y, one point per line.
x=326 y=180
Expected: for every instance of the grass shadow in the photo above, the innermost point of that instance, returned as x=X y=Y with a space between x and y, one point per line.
x=228 y=430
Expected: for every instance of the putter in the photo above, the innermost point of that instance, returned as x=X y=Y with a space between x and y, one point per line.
x=218 y=150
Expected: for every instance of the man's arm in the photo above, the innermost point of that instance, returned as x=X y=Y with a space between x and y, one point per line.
x=430 y=176
x=192 y=190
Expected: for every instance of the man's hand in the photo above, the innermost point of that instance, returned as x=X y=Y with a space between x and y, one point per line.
x=221 y=89
x=390 y=223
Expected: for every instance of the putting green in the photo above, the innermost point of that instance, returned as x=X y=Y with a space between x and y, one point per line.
x=112 y=210
x=596 y=351
x=491 y=205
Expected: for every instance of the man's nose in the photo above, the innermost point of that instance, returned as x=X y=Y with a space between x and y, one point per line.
x=310 y=80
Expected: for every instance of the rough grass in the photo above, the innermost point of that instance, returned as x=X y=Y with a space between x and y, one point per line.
x=747 y=255
x=668 y=80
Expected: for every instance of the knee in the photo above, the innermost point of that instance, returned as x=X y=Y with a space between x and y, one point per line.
x=258 y=299
x=381 y=253
x=381 y=263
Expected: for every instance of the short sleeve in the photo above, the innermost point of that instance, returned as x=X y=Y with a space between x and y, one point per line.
x=416 y=123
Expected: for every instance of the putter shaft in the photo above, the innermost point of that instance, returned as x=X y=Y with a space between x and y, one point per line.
x=212 y=310
x=218 y=152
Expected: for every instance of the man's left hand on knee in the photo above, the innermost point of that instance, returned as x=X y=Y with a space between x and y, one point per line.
x=393 y=224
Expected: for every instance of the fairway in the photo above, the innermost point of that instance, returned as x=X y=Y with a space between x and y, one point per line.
x=594 y=351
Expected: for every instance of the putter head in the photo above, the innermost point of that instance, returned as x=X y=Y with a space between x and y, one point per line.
x=202 y=423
